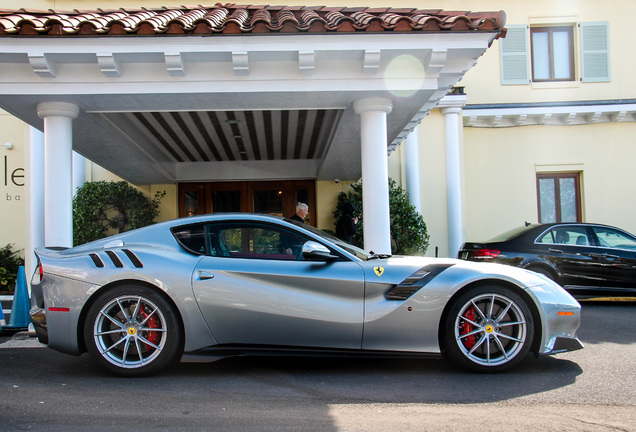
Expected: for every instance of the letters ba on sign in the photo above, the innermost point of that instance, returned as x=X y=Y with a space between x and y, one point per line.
x=13 y=177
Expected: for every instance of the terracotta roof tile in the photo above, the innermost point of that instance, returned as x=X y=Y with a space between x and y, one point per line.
x=242 y=19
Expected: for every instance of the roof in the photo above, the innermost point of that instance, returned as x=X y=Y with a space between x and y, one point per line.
x=242 y=19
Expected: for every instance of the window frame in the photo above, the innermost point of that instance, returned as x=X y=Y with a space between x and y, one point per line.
x=557 y=192
x=550 y=30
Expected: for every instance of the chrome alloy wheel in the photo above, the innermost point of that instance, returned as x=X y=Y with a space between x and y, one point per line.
x=491 y=329
x=130 y=331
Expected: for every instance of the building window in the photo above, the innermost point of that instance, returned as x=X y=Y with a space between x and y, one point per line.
x=552 y=53
x=559 y=197
x=544 y=53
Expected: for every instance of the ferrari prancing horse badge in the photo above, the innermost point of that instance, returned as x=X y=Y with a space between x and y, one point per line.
x=379 y=271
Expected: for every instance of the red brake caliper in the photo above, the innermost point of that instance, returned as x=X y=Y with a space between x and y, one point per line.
x=466 y=327
x=153 y=322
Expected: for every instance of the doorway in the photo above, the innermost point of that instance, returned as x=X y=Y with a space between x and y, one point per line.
x=270 y=197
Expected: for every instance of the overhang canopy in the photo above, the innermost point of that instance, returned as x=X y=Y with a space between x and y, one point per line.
x=234 y=92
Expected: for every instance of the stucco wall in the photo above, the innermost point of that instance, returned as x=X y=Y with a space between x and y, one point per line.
x=13 y=189
x=502 y=165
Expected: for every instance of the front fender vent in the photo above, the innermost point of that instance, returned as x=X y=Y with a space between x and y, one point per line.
x=415 y=282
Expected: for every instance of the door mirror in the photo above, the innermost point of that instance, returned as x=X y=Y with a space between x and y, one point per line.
x=314 y=251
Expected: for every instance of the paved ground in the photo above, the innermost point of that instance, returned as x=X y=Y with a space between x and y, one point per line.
x=588 y=390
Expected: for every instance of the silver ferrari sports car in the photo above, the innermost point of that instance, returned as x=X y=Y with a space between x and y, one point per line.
x=222 y=285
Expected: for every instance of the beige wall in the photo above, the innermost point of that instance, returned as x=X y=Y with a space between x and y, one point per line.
x=13 y=193
x=502 y=165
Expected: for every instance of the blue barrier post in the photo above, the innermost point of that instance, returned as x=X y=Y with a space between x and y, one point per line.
x=21 y=304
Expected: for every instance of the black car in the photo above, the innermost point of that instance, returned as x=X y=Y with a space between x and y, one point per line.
x=586 y=259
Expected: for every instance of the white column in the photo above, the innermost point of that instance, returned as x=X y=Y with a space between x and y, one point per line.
x=412 y=165
x=79 y=171
x=58 y=171
x=375 y=172
x=36 y=198
x=451 y=108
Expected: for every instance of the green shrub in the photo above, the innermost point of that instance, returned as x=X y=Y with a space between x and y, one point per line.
x=408 y=230
x=10 y=261
x=102 y=206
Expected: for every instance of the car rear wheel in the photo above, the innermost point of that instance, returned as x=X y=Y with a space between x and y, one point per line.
x=132 y=331
x=488 y=329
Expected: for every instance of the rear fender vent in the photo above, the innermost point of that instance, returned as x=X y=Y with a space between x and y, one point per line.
x=415 y=282
x=133 y=258
x=97 y=260
x=115 y=259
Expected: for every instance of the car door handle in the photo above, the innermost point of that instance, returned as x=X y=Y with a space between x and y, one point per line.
x=555 y=250
x=203 y=275
x=611 y=256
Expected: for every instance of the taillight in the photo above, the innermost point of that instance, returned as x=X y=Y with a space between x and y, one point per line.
x=39 y=272
x=486 y=253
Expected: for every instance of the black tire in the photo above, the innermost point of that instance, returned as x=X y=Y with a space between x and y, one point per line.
x=132 y=330
x=487 y=329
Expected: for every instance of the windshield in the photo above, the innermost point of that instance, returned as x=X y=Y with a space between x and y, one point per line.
x=353 y=250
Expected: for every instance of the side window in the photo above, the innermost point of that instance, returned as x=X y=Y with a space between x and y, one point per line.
x=608 y=237
x=254 y=241
x=191 y=238
x=574 y=236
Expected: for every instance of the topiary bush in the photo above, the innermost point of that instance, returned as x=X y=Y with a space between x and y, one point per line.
x=409 y=235
x=10 y=261
x=102 y=206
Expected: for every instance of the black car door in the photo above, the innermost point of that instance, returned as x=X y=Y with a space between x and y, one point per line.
x=571 y=251
x=618 y=252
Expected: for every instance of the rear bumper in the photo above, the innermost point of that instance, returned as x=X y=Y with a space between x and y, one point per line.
x=38 y=318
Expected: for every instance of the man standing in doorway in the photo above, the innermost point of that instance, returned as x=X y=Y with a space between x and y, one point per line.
x=301 y=212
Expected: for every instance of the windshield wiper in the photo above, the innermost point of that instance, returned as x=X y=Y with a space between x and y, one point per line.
x=374 y=255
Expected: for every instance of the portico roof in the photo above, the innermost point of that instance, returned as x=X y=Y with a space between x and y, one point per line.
x=230 y=92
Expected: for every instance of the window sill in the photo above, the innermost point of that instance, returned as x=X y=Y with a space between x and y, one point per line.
x=555 y=85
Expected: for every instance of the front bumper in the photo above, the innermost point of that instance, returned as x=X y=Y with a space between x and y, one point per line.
x=564 y=344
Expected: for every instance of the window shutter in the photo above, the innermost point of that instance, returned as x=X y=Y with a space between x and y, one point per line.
x=515 y=49
x=595 y=51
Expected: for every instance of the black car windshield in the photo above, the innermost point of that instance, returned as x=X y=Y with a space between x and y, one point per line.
x=353 y=250
x=513 y=233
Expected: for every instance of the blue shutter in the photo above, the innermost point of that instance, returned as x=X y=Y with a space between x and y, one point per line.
x=595 y=51
x=515 y=55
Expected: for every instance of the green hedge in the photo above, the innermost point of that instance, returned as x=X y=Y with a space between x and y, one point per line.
x=101 y=206
x=409 y=235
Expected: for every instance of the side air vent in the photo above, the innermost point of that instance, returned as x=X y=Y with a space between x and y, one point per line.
x=133 y=258
x=415 y=282
x=115 y=259
x=97 y=260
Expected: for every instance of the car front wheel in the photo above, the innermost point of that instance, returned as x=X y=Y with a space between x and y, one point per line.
x=132 y=331
x=488 y=329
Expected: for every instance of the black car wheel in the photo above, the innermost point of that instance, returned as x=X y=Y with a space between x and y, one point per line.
x=132 y=331
x=488 y=329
